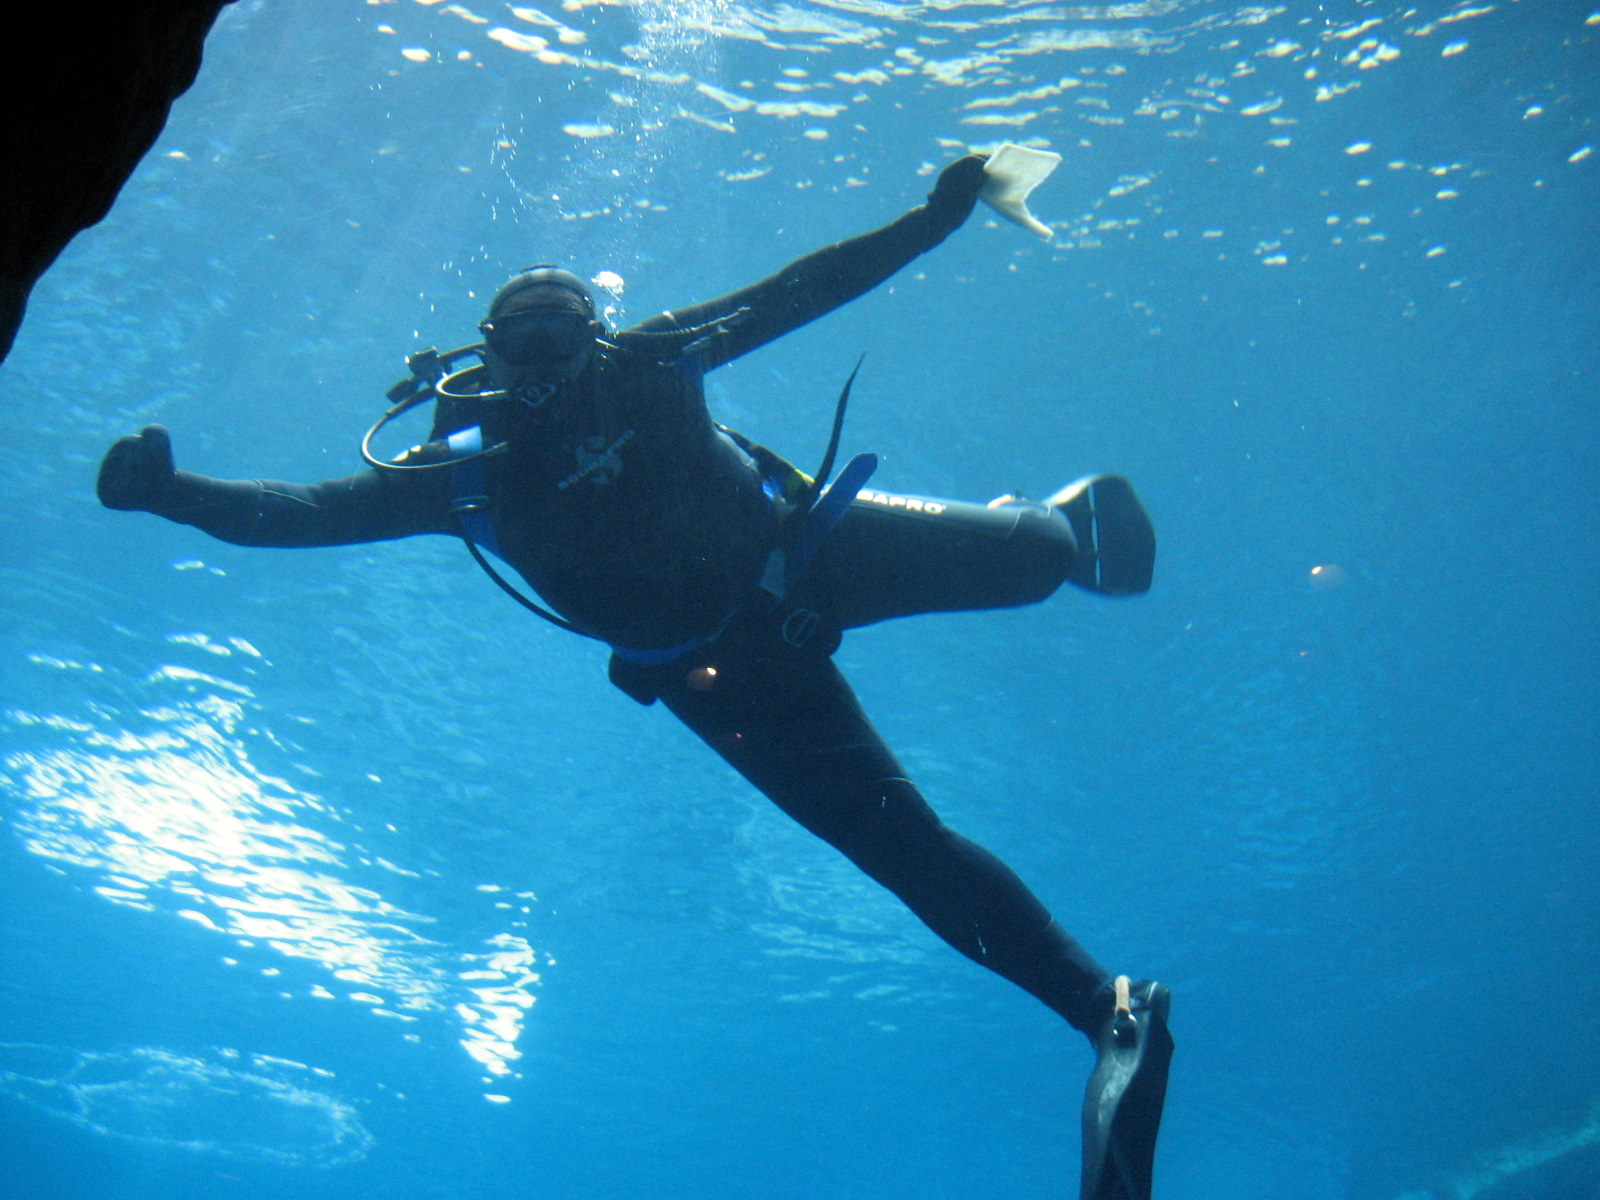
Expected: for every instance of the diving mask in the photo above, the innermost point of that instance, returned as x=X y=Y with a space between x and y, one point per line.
x=539 y=337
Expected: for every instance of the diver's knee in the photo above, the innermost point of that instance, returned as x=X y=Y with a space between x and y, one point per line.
x=869 y=819
x=1040 y=552
x=900 y=808
x=891 y=833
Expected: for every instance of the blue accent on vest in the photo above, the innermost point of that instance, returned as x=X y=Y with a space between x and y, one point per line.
x=654 y=658
x=469 y=494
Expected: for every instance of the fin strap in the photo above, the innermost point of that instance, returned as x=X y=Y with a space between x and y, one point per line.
x=833 y=438
x=827 y=512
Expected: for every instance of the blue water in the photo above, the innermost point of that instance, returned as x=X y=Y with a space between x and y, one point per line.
x=331 y=874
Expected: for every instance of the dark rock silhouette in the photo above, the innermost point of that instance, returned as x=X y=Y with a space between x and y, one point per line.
x=90 y=105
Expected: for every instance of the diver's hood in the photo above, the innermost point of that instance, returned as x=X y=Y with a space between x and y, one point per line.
x=550 y=278
x=541 y=326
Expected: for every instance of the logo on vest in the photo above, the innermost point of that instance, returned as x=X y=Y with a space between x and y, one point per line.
x=910 y=503
x=597 y=461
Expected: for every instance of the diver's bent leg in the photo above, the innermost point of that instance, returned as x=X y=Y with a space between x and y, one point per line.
x=791 y=725
x=911 y=555
x=894 y=556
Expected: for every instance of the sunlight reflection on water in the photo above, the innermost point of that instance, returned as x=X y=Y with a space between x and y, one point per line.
x=258 y=1109
x=178 y=819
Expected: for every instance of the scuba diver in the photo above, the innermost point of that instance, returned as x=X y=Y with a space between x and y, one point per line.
x=723 y=578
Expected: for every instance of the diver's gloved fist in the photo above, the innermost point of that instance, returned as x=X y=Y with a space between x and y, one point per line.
x=957 y=188
x=137 y=472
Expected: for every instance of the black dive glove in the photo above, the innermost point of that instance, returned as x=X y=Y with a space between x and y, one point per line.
x=137 y=474
x=956 y=190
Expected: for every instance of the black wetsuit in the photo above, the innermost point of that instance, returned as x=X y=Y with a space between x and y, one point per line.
x=624 y=507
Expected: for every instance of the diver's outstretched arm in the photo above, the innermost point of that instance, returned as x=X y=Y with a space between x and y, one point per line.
x=138 y=475
x=822 y=281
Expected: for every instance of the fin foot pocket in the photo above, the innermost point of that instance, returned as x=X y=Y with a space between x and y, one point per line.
x=1116 y=542
x=1122 y=1106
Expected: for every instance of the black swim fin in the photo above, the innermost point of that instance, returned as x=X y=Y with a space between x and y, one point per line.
x=1116 y=542
x=1122 y=1107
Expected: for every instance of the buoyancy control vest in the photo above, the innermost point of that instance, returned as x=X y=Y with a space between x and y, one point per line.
x=806 y=507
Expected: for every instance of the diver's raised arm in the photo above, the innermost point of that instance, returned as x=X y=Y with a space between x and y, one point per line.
x=138 y=475
x=823 y=280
